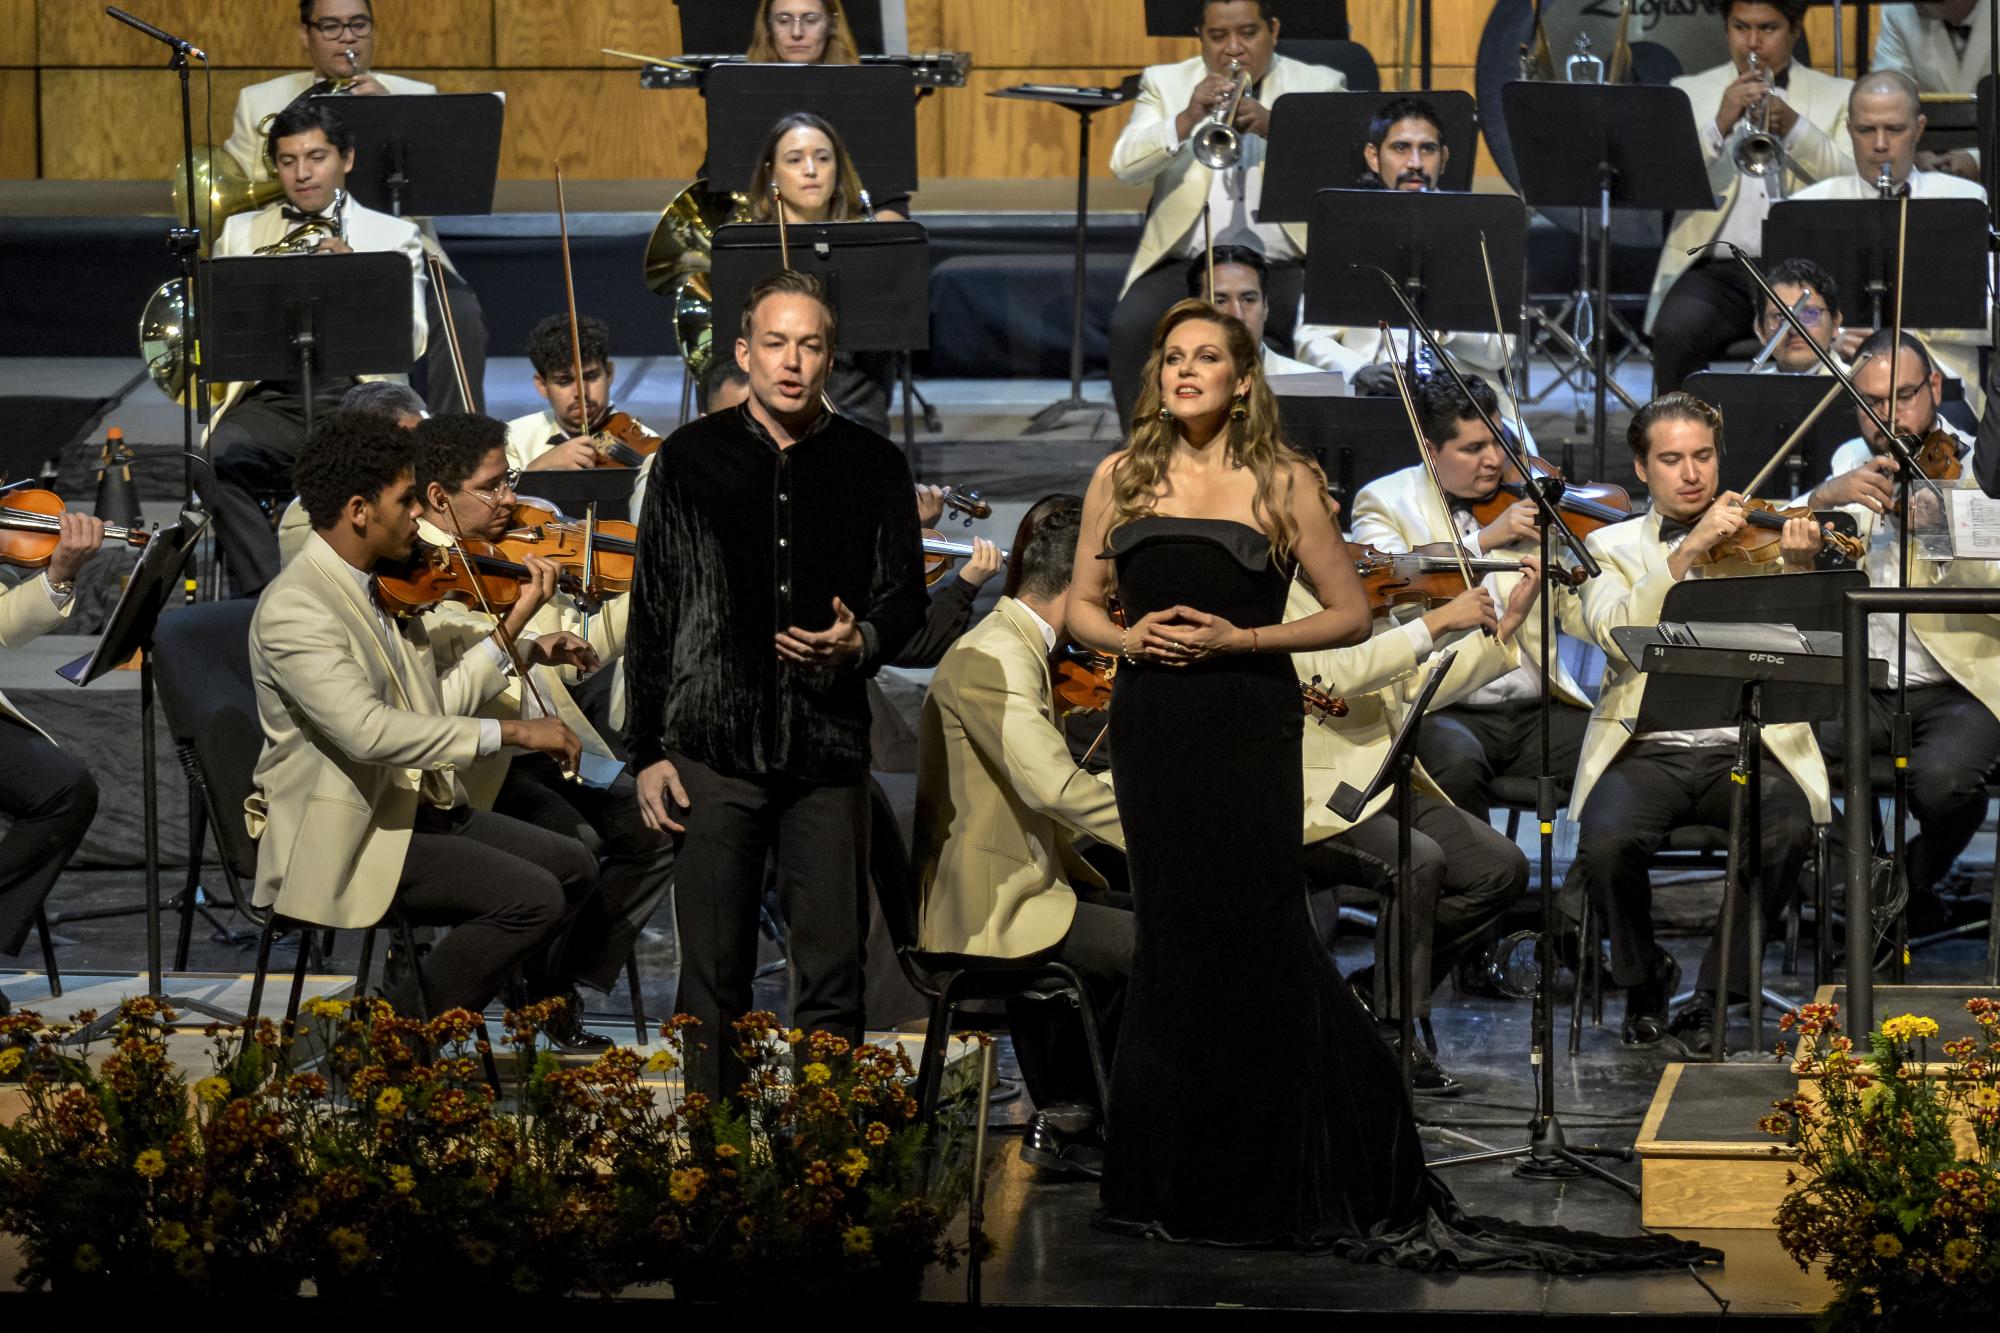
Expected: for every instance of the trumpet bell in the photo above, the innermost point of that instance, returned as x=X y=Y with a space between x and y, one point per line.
x=224 y=188
x=1217 y=147
x=678 y=258
x=163 y=339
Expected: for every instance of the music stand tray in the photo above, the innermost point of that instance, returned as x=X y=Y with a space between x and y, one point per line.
x=877 y=275
x=1307 y=130
x=1429 y=243
x=1758 y=411
x=423 y=156
x=574 y=490
x=1313 y=20
x=723 y=27
x=871 y=107
x=1354 y=440
x=1944 y=285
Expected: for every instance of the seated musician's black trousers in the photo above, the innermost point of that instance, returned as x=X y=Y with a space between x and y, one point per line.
x=1464 y=749
x=1954 y=745
x=440 y=388
x=50 y=800
x=1463 y=875
x=1048 y=1035
x=1652 y=789
x=253 y=449
x=1708 y=308
x=1137 y=318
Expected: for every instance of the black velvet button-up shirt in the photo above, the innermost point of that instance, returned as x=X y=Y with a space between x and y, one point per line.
x=740 y=540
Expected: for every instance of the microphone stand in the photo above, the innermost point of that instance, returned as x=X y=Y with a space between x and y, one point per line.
x=1548 y=1154
x=1907 y=476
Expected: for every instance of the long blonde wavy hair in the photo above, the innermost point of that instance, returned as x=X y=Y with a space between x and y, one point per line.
x=840 y=45
x=1255 y=441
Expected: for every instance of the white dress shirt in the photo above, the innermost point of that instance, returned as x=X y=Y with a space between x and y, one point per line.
x=1695 y=738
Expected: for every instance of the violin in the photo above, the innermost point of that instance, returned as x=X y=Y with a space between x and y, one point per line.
x=622 y=440
x=1082 y=680
x=598 y=558
x=1586 y=507
x=1319 y=703
x=940 y=553
x=1759 y=541
x=31 y=529
x=1418 y=580
x=480 y=576
x=1937 y=456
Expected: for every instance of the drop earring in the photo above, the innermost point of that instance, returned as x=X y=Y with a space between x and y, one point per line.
x=1166 y=413
x=1240 y=409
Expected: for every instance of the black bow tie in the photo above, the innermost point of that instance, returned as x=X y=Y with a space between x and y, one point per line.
x=1674 y=529
x=291 y=214
x=1961 y=36
x=1783 y=78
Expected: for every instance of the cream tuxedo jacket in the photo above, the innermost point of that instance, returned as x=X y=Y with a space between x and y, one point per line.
x=1400 y=512
x=1630 y=591
x=1380 y=680
x=1921 y=48
x=999 y=798
x=1148 y=150
x=533 y=435
x=27 y=612
x=367 y=232
x=1821 y=148
x=358 y=729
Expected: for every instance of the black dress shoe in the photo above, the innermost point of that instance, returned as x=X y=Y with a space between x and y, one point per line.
x=1646 y=1005
x=1362 y=982
x=1065 y=1142
x=1693 y=1027
x=1428 y=1078
x=566 y=1032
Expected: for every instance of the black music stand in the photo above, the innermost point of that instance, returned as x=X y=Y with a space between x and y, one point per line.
x=869 y=105
x=1944 y=284
x=1312 y=20
x=1399 y=768
x=1770 y=623
x=1317 y=138
x=423 y=156
x=1086 y=102
x=1354 y=440
x=1760 y=411
x=1429 y=245
x=1598 y=147
x=723 y=27
x=574 y=491
x=307 y=316
x=153 y=580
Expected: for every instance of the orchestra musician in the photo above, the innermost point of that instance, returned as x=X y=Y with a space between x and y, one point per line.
x=1954 y=660
x=386 y=399
x=1946 y=46
x=1632 y=790
x=805 y=175
x=1493 y=731
x=1241 y=279
x=1821 y=314
x=559 y=436
x=338 y=37
x=1464 y=873
x=1701 y=304
x=1174 y=101
x=778 y=513
x=47 y=797
x=999 y=807
x=258 y=429
x=951 y=599
x=1885 y=120
x=803 y=32
x=463 y=479
x=359 y=802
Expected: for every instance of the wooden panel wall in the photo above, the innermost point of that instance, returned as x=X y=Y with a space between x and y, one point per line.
x=83 y=97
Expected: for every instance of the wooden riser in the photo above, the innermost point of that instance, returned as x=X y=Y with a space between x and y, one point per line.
x=1703 y=1161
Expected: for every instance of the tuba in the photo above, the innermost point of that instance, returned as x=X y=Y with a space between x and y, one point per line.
x=678 y=258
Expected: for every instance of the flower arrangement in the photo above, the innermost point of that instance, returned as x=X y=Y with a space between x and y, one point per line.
x=1898 y=1187
x=372 y=1156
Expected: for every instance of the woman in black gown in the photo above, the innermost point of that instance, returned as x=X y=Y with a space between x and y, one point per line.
x=1251 y=1103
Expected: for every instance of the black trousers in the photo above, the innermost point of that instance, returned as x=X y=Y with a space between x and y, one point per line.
x=50 y=799
x=1463 y=876
x=1708 y=308
x=1049 y=1039
x=504 y=887
x=1464 y=749
x=818 y=835
x=440 y=387
x=1137 y=317
x=1648 y=791
x=1954 y=744
x=253 y=449
x=635 y=868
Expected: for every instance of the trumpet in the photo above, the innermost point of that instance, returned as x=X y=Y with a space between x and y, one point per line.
x=1760 y=154
x=1217 y=145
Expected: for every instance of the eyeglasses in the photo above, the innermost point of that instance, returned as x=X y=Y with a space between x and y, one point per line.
x=332 y=28
x=802 y=22
x=506 y=487
x=1810 y=317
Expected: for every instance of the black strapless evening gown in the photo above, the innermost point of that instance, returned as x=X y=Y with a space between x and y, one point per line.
x=1252 y=1103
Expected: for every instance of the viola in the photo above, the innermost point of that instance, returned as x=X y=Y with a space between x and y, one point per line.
x=1586 y=507
x=1760 y=540
x=479 y=575
x=31 y=528
x=1319 y=702
x=1418 y=580
x=599 y=558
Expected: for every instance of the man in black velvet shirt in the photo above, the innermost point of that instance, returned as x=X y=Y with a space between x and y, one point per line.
x=779 y=567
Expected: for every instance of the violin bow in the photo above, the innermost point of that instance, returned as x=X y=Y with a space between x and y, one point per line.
x=436 y=267
x=1507 y=380
x=569 y=292
x=1208 y=249
x=1429 y=466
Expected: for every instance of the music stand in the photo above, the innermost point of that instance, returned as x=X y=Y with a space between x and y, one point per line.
x=1945 y=263
x=1086 y=102
x=1429 y=245
x=1759 y=411
x=326 y=315
x=1310 y=20
x=574 y=491
x=1307 y=130
x=723 y=27
x=423 y=156
x=154 y=579
x=1598 y=147
x=1739 y=622
x=869 y=105
x=1354 y=440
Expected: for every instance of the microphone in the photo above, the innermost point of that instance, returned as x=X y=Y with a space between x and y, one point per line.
x=181 y=45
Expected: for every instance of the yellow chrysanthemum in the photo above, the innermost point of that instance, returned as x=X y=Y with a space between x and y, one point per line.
x=817 y=1073
x=1887 y=1245
x=685 y=1186
x=212 y=1089
x=858 y=1242
x=402 y=1179
x=662 y=1062
x=150 y=1164
x=10 y=1059
x=1908 y=1027
x=170 y=1236
x=1959 y=1253
x=86 y=1259
x=1986 y=1098
x=331 y=1010
x=389 y=1101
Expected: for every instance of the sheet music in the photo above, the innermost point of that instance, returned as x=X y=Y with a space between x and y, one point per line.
x=1975 y=525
